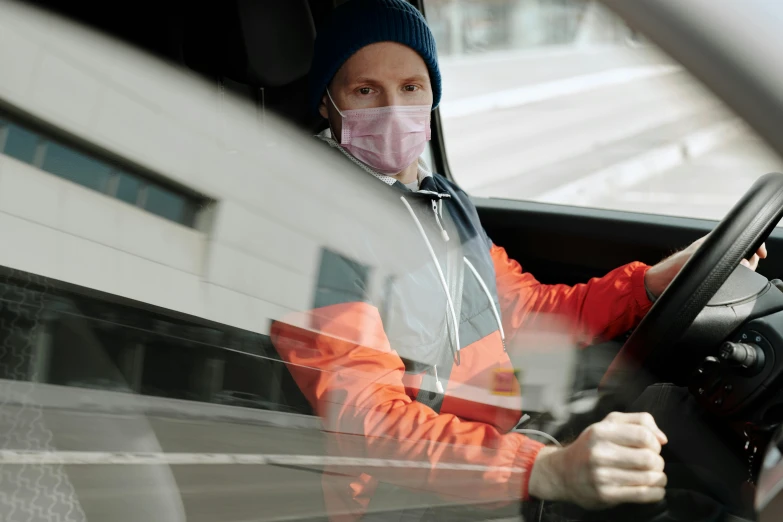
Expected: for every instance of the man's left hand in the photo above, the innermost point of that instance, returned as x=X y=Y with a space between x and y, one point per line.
x=659 y=276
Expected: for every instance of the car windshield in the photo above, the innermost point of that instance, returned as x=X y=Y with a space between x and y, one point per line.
x=230 y=294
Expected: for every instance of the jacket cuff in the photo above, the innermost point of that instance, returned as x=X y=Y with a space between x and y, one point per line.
x=526 y=457
x=638 y=288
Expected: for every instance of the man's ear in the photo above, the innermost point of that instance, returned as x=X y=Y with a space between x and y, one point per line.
x=322 y=109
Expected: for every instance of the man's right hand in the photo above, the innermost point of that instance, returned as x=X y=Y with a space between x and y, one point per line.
x=614 y=461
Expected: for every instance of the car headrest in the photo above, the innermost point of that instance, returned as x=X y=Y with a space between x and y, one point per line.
x=277 y=36
x=263 y=43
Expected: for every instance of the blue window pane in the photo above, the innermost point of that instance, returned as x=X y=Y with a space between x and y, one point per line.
x=165 y=203
x=128 y=188
x=20 y=144
x=76 y=167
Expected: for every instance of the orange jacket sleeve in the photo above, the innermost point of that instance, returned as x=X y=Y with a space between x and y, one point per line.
x=344 y=365
x=602 y=308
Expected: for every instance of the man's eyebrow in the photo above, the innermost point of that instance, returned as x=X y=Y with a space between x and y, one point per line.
x=362 y=79
x=421 y=78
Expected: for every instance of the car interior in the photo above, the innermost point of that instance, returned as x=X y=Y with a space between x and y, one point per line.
x=261 y=51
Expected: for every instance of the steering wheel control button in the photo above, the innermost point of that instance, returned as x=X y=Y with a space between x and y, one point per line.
x=743 y=355
x=710 y=362
x=708 y=366
x=739 y=354
x=728 y=388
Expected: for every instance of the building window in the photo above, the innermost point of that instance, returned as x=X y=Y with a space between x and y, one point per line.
x=128 y=188
x=69 y=163
x=164 y=203
x=19 y=143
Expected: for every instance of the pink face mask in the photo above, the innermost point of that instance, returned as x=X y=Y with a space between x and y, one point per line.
x=387 y=139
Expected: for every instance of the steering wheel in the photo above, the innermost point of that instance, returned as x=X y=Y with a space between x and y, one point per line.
x=652 y=344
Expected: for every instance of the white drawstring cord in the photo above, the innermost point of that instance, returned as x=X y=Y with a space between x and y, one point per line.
x=438 y=385
x=440 y=272
x=489 y=296
x=547 y=436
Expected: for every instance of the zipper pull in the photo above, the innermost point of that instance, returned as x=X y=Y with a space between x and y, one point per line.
x=443 y=233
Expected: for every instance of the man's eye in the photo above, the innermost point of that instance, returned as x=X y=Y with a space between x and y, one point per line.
x=365 y=90
x=411 y=88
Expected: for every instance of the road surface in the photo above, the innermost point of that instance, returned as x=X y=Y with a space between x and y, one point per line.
x=705 y=187
x=680 y=150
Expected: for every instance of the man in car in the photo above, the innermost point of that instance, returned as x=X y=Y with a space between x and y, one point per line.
x=389 y=380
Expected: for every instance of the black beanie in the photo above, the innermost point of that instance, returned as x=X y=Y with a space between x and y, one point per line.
x=359 y=23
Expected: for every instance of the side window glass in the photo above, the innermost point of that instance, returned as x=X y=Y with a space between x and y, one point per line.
x=57 y=337
x=102 y=346
x=559 y=101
